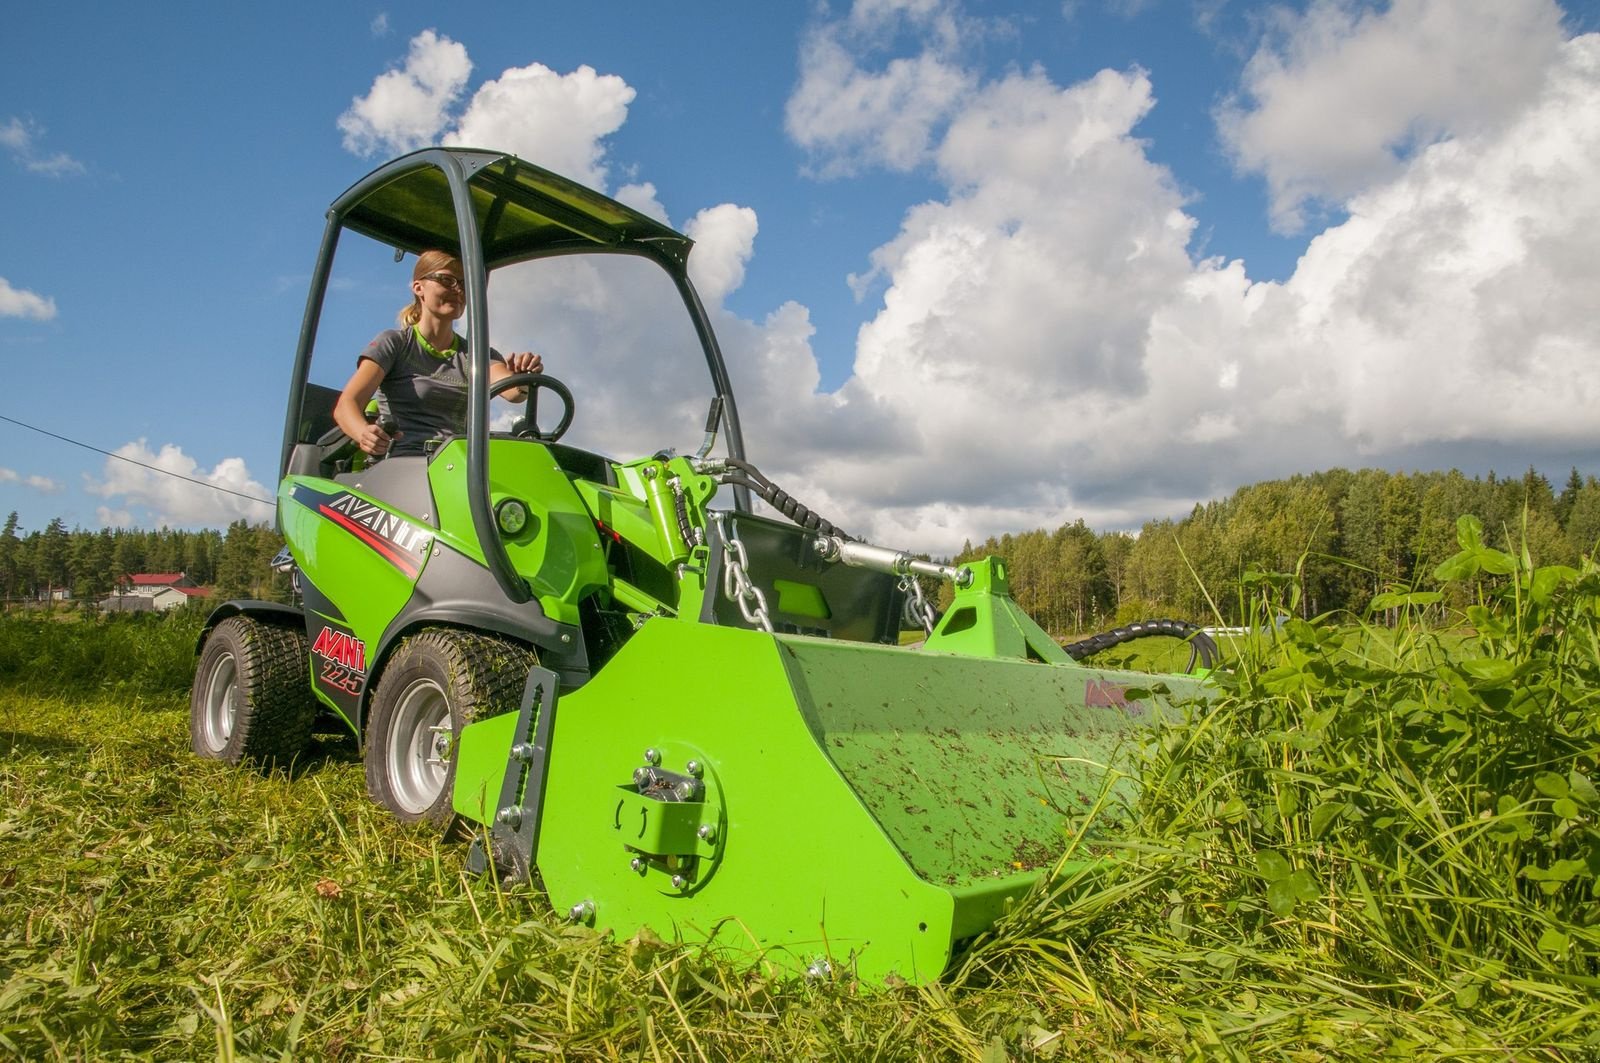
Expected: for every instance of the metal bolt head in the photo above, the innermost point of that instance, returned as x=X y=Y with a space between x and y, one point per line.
x=581 y=912
x=819 y=969
x=652 y=756
x=678 y=882
x=510 y=816
x=522 y=751
x=695 y=768
x=637 y=864
x=565 y=637
x=707 y=833
x=641 y=776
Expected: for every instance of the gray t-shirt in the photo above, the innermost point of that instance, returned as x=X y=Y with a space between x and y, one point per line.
x=425 y=395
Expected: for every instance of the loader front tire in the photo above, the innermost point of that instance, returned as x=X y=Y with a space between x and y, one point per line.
x=435 y=684
x=252 y=698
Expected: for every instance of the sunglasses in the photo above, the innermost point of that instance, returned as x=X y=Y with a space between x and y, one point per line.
x=449 y=282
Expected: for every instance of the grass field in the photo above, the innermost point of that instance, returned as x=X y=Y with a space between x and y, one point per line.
x=1373 y=845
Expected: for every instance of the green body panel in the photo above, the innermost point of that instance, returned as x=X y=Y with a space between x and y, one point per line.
x=369 y=590
x=868 y=804
x=558 y=551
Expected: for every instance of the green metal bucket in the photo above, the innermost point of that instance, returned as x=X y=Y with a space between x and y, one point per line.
x=867 y=807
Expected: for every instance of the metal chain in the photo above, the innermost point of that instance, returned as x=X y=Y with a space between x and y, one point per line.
x=736 y=585
x=918 y=610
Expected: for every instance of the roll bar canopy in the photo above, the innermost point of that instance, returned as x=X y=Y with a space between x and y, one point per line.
x=492 y=209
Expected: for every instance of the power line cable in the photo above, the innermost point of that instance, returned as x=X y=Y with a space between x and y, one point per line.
x=131 y=461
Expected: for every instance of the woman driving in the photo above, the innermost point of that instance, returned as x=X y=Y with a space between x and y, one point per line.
x=419 y=370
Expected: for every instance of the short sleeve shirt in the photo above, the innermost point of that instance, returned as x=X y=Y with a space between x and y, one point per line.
x=424 y=394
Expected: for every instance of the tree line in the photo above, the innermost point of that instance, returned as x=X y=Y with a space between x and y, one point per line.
x=1339 y=537
x=88 y=565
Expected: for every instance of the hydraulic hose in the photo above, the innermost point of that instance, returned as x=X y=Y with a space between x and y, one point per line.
x=1202 y=647
x=747 y=475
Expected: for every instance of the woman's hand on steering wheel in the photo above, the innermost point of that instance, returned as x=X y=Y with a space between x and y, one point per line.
x=527 y=428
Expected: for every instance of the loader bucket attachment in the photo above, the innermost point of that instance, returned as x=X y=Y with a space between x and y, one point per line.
x=810 y=801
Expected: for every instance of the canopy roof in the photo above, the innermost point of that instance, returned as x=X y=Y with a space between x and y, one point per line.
x=522 y=211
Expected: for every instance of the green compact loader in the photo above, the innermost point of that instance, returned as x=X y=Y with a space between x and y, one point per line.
x=676 y=710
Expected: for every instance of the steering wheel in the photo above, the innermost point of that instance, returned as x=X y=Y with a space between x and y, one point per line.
x=527 y=427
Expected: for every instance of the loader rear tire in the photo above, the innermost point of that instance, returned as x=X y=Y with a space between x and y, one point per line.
x=435 y=684
x=252 y=697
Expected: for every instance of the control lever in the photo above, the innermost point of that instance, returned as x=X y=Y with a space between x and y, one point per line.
x=713 y=420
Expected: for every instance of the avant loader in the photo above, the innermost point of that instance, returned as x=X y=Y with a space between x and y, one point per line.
x=621 y=677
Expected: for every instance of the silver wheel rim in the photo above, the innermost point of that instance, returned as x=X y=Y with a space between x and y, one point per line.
x=419 y=747
x=220 y=709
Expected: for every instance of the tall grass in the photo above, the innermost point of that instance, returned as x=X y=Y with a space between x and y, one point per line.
x=1373 y=843
x=1374 y=840
x=72 y=652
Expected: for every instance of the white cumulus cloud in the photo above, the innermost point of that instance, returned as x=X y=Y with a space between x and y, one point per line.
x=852 y=112
x=724 y=239
x=20 y=140
x=407 y=107
x=19 y=302
x=1340 y=96
x=559 y=120
x=556 y=120
x=43 y=484
x=163 y=485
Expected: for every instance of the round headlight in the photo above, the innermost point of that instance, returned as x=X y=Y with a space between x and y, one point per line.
x=512 y=516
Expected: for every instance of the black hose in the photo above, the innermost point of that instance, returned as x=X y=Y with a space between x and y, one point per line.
x=1202 y=647
x=680 y=507
x=780 y=500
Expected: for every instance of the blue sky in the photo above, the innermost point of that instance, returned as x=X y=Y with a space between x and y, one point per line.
x=979 y=266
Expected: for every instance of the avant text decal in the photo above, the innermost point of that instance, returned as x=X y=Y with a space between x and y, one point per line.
x=396 y=538
x=344 y=659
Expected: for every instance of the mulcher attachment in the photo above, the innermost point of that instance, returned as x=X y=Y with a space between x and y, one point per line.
x=817 y=803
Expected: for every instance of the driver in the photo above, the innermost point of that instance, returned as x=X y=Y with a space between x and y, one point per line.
x=418 y=371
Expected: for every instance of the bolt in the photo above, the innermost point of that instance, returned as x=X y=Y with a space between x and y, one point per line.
x=637 y=863
x=694 y=768
x=565 y=637
x=510 y=816
x=649 y=472
x=652 y=756
x=581 y=912
x=641 y=776
x=819 y=969
x=678 y=882
x=522 y=751
x=707 y=833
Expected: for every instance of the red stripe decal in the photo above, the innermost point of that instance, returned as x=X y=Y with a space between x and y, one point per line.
x=399 y=560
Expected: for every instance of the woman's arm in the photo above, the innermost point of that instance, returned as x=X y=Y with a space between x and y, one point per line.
x=521 y=362
x=350 y=412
